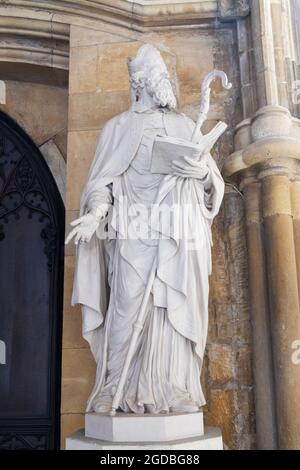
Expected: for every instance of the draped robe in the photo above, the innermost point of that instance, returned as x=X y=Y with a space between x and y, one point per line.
x=168 y=360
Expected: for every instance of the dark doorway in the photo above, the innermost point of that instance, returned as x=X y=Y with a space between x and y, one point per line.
x=31 y=287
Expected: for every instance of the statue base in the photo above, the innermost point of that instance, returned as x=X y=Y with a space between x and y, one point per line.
x=130 y=427
x=145 y=431
x=210 y=440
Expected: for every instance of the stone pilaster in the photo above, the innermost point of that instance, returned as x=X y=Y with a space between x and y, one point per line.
x=284 y=304
x=295 y=197
x=267 y=169
x=266 y=166
x=262 y=355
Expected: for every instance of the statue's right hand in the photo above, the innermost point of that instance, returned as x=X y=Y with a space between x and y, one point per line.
x=84 y=229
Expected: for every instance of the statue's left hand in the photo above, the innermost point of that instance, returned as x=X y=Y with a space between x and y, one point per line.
x=84 y=228
x=190 y=168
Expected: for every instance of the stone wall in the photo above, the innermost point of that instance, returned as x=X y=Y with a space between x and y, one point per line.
x=98 y=91
x=42 y=111
x=228 y=367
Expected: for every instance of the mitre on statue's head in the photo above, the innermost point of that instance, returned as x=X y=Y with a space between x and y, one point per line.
x=149 y=79
x=147 y=57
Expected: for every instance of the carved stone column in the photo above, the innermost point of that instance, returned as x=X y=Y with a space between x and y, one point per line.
x=262 y=354
x=266 y=166
x=295 y=195
x=267 y=169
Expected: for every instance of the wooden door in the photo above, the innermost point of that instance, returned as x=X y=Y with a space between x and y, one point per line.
x=31 y=288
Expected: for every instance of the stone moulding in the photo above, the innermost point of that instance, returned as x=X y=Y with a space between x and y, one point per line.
x=135 y=14
x=268 y=141
x=37 y=32
x=34 y=38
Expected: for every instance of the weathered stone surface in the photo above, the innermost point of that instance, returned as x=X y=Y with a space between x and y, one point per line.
x=276 y=196
x=56 y=163
x=83 y=63
x=41 y=110
x=81 y=149
x=233 y=8
x=296 y=224
x=221 y=407
x=285 y=325
x=78 y=367
x=61 y=140
x=112 y=72
x=70 y=215
x=69 y=424
x=220 y=363
x=104 y=34
x=228 y=362
x=243 y=371
x=90 y=111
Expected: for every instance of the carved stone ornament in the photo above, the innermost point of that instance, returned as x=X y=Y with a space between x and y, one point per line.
x=233 y=8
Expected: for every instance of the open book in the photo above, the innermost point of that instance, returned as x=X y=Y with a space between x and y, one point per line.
x=166 y=149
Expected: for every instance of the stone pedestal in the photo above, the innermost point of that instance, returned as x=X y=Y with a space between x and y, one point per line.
x=211 y=440
x=128 y=427
x=146 y=431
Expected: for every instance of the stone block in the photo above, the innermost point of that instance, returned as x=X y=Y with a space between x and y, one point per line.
x=194 y=58
x=90 y=111
x=239 y=329
x=112 y=72
x=69 y=424
x=211 y=440
x=83 y=69
x=244 y=376
x=71 y=215
x=220 y=363
x=41 y=110
x=81 y=150
x=245 y=412
x=78 y=376
x=81 y=36
x=221 y=412
x=129 y=427
x=61 y=140
x=56 y=164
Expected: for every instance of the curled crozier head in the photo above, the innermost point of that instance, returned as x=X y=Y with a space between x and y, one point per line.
x=149 y=78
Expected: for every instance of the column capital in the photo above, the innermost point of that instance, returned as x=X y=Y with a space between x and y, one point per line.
x=266 y=144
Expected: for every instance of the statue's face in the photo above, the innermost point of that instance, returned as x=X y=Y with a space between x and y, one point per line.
x=159 y=87
x=149 y=75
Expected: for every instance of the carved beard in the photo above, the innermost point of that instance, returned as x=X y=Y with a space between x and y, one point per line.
x=162 y=93
x=156 y=84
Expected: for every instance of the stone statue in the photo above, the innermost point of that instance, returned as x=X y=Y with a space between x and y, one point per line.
x=144 y=251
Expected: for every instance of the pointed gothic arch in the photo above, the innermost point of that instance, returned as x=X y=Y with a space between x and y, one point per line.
x=31 y=286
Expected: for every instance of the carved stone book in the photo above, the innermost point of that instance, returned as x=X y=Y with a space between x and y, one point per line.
x=167 y=149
